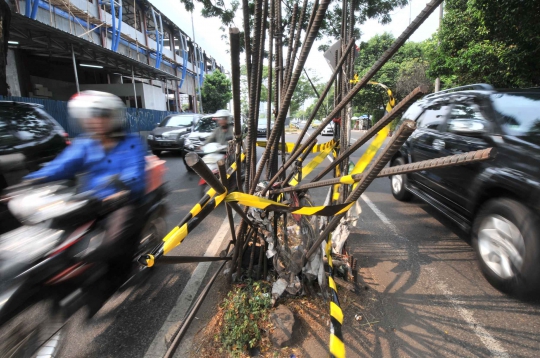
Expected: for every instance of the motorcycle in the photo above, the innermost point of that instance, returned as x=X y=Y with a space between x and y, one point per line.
x=52 y=265
x=211 y=154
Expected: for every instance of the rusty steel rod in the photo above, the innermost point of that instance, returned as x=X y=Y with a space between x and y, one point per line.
x=260 y=59
x=195 y=162
x=270 y=63
x=224 y=182
x=234 y=38
x=397 y=141
x=383 y=122
x=284 y=107
x=185 y=324
x=297 y=41
x=437 y=163
x=247 y=40
x=292 y=30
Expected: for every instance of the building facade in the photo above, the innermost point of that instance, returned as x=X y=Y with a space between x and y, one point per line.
x=128 y=48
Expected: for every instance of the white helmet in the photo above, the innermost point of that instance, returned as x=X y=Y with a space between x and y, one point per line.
x=96 y=104
x=222 y=113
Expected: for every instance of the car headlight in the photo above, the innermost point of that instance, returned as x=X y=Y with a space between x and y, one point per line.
x=150 y=137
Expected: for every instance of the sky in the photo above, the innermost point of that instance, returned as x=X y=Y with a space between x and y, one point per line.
x=208 y=35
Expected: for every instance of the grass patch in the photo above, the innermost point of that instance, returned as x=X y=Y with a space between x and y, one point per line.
x=245 y=313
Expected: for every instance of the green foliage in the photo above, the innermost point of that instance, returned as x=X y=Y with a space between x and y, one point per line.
x=244 y=309
x=216 y=92
x=405 y=71
x=493 y=42
x=363 y=10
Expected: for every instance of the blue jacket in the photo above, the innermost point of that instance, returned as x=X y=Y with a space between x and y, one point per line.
x=87 y=156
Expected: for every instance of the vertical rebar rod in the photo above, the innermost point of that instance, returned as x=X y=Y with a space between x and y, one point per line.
x=234 y=39
x=292 y=29
x=284 y=107
x=252 y=125
x=247 y=40
x=297 y=43
x=270 y=63
x=362 y=83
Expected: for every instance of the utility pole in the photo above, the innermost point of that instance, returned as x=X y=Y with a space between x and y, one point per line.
x=438 y=79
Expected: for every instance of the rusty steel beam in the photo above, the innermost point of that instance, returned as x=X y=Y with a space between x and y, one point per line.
x=437 y=163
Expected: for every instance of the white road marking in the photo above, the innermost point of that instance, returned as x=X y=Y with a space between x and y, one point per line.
x=494 y=346
x=158 y=348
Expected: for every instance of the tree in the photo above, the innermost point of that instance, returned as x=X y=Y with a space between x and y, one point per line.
x=216 y=91
x=303 y=92
x=494 y=42
x=405 y=71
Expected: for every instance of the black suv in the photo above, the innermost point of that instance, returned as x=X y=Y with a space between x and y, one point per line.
x=169 y=135
x=497 y=201
x=29 y=137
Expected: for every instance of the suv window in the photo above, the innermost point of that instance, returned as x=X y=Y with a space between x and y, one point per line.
x=26 y=123
x=433 y=116
x=519 y=113
x=466 y=112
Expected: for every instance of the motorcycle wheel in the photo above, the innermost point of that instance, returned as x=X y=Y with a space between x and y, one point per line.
x=35 y=332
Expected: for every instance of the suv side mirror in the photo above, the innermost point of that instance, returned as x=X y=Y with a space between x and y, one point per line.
x=470 y=127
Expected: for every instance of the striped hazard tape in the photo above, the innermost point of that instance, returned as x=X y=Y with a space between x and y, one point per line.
x=204 y=207
x=337 y=347
x=363 y=162
x=290 y=146
x=313 y=163
x=270 y=205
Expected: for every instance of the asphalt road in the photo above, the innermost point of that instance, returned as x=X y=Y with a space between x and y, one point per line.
x=429 y=297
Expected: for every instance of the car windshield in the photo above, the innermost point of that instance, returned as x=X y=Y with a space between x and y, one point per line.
x=519 y=113
x=263 y=122
x=206 y=124
x=177 y=121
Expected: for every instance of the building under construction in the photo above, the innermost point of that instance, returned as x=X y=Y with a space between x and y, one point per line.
x=128 y=48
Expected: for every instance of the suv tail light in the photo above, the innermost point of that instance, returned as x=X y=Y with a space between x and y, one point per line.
x=66 y=138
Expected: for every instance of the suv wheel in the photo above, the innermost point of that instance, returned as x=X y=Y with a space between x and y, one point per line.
x=505 y=237
x=398 y=183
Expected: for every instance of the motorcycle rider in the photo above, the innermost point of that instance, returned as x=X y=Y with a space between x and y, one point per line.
x=224 y=132
x=112 y=164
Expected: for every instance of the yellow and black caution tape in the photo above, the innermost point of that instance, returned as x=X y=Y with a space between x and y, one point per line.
x=196 y=214
x=391 y=100
x=336 y=345
x=270 y=205
x=335 y=188
x=313 y=163
x=290 y=146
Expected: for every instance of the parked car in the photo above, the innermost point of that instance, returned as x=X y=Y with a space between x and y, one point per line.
x=169 y=135
x=496 y=201
x=329 y=129
x=315 y=124
x=29 y=137
x=261 y=127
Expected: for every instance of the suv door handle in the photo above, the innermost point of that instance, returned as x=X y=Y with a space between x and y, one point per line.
x=438 y=144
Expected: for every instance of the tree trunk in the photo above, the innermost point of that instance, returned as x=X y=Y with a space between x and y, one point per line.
x=5 y=19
